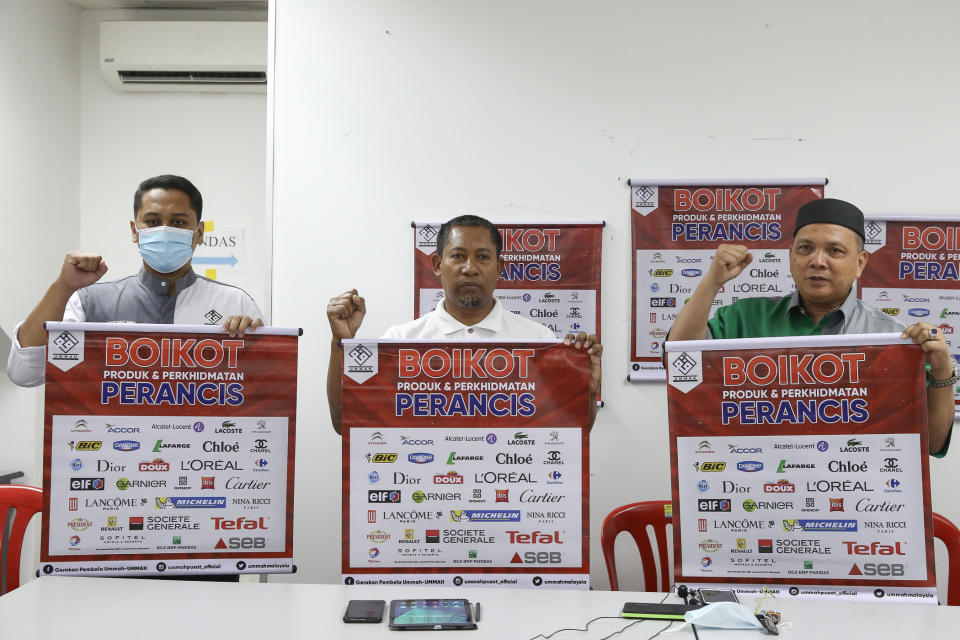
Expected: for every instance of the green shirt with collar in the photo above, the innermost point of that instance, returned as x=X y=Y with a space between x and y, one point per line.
x=785 y=316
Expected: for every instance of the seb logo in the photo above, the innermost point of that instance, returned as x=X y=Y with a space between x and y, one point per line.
x=877 y=569
x=237 y=524
x=874 y=549
x=539 y=557
x=242 y=543
x=537 y=537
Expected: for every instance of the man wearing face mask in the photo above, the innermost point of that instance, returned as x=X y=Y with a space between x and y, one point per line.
x=167 y=228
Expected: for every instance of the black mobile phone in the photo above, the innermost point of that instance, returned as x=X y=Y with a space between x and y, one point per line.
x=364 y=611
x=656 y=610
x=706 y=596
x=431 y=615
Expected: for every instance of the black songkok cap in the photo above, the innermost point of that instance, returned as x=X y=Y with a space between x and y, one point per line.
x=830 y=211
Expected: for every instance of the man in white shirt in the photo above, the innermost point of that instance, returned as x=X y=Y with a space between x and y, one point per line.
x=167 y=228
x=468 y=264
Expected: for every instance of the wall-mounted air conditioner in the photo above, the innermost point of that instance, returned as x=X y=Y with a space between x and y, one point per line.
x=185 y=56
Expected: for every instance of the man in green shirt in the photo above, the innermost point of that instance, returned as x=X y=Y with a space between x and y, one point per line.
x=826 y=257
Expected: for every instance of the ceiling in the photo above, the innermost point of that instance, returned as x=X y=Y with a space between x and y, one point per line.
x=170 y=4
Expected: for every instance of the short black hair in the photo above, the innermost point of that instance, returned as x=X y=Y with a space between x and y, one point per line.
x=169 y=182
x=443 y=237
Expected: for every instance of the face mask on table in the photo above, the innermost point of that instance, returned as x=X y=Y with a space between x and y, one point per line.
x=723 y=615
x=166 y=249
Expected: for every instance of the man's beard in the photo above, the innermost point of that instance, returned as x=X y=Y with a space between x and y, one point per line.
x=468 y=302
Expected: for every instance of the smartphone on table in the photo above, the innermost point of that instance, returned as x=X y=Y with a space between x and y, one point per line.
x=364 y=611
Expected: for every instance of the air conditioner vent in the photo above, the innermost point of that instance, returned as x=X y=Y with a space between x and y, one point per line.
x=193 y=77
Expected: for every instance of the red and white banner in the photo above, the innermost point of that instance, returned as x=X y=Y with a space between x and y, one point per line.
x=913 y=272
x=465 y=464
x=168 y=449
x=677 y=227
x=798 y=468
x=551 y=273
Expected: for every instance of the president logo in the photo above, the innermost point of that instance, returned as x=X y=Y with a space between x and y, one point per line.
x=713 y=504
x=86 y=484
x=189 y=502
x=485 y=515
x=820 y=525
x=126 y=445
x=383 y=496
x=420 y=458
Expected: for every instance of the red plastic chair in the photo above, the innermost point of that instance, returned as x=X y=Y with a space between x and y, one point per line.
x=635 y=518
x=950 y=534
x=26 y=501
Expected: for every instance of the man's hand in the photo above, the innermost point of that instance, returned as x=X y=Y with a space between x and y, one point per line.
x=729 y=262
x=592 y=344
x=238 y=325
x=939 y=399
x=79 y=270
x=934 y=345
x=345 y=313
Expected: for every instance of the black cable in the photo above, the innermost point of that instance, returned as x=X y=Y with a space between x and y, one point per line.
x=661 y=630
x=586 y=627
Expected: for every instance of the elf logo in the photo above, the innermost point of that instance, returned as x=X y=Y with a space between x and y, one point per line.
x=537 y=557
x=242 y=543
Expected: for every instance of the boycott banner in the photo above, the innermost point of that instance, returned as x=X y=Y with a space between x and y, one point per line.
x=168 y=449
x=465 y=464
x=799 y=468
x=913 y=272
x=551 y=273
x=677 y=227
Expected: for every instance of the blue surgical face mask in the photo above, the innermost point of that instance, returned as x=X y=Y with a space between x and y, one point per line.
x=166 y=249
x=723 y=615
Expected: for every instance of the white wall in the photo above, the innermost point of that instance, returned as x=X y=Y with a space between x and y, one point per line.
x=39 y=172
x=74 y=152
x=386 y=112
x=218 y=141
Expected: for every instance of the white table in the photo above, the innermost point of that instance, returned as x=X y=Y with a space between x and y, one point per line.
x=72 y=608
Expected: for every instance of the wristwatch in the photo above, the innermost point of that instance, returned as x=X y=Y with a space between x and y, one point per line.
x=949 y=382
